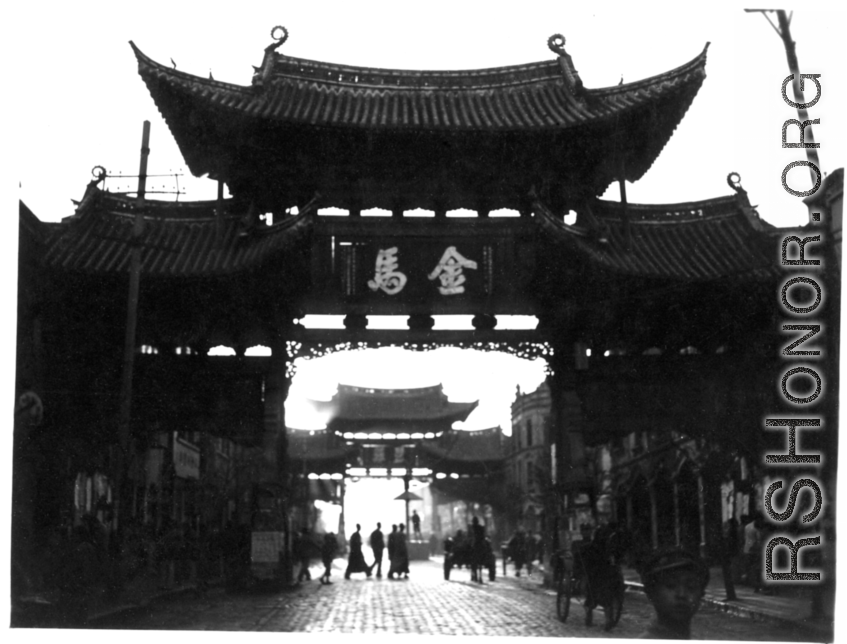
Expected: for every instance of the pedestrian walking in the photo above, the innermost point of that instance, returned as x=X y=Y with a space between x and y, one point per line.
x=328 y=549
x=303 y=553
x=674 y=581
x=416 y=524
x=356 y=561
x=478 y=550
x=753 y=551
x=728 y=547
x=377 y=543
x=517 y=550
x=392 y=550
x=400 y=553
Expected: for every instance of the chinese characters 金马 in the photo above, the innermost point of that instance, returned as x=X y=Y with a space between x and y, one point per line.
x=389 y=279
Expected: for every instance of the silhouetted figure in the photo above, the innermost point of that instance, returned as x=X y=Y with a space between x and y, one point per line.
x=400 y=560
x=416 y=524
x=674 y=581
x=377 y=543
x=517 y=550
x=753 y=551
x=728 y=545
x=392 y=549
x=478 y=550
x=356 y=561
x=303 y=553
x=328 y=549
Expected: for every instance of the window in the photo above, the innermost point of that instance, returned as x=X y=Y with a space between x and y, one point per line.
x=529 y=432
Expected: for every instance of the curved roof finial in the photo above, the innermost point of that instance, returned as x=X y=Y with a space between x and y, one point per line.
x=733 y=179
x=279 y=40
x=556 y=43
x=263 y=73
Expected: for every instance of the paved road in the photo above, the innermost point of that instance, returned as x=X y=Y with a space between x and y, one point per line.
x=423 y=604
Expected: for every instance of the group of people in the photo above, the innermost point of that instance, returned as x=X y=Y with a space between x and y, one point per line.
x=524 y=549
x=398 y=552
x=472 y=549
x=305 y=548
x=744 y=540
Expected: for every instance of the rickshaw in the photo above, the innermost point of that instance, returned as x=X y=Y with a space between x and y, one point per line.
x=459 y=553
x=591 y=574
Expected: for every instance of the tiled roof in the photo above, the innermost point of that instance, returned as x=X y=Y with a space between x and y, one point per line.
x=315 y=446
x=178 y=239
x=362 y=404
x=521 y=103
x=461 y=445
x=531 y=96
x=693 y=241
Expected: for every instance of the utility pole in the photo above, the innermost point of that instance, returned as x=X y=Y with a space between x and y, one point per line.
x=784 y=32
x=124 y=437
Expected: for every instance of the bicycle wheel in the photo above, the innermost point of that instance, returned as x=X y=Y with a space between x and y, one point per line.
x=563 y=597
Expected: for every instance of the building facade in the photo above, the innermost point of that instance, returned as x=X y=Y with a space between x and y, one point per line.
x=529 y=459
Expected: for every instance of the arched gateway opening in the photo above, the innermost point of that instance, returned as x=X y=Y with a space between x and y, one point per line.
x=366 y=427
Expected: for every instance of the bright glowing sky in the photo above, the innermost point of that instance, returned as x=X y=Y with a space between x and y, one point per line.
x=79 y=101
x=466 y=375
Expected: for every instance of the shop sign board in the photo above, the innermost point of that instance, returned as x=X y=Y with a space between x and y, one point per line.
x=266 y=546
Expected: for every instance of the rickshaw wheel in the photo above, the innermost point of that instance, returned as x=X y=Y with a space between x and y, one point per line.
x=563 y=596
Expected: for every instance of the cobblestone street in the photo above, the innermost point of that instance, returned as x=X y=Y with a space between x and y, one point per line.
x=424 y=604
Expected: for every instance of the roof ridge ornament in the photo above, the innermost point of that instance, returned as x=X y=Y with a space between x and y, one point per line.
x=262 y=74
x=278 y=40
x=733 y=179
x=556 y=43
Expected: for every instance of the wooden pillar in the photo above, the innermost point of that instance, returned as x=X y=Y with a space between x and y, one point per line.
x=273 y=473
x=676 y=512
x=125 y=447
x=406 y=479
x=342 y=528
x=701 y=506
x=654 y=516
x=625 y=214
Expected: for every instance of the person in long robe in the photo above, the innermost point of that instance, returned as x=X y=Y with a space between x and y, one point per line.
x=517 y=550
x=392 y=552
x=356 y=561
x=401 y=552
